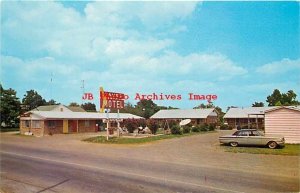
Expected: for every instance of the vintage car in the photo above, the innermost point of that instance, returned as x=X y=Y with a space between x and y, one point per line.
x=251 y=137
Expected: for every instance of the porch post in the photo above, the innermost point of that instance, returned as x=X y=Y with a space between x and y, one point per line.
x=77 y=125
x=248 y=122
x=256 y=121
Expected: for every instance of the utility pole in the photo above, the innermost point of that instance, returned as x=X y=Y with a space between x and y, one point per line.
x=82 y=88
x=51 y=81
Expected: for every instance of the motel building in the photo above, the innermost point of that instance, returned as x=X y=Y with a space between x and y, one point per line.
x=242 y=117
x=276 y=120
x=59 y=119
x=197 y=116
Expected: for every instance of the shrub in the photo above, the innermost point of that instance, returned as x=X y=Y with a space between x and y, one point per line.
x=196 y=128
x=211 y=127
x=131 y=125
x=186 y=129
x=172 y=123
x=245 y=127
x=225 y=127
x=142 y=123
x=175 y=129
x=153 y=125
x=204 y=127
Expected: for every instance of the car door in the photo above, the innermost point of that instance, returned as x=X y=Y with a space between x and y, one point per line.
x=255 y=138
x=242 y=137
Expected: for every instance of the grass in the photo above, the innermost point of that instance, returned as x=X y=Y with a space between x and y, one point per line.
x=289 y=149
x=123 y=140
x=9 y=129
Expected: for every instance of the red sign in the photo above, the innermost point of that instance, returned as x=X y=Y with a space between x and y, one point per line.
x=112 y=96
x=111 y=100
x=112 y=104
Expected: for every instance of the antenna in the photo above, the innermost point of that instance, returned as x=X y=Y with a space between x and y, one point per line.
x=51 y=80
x=83 y=91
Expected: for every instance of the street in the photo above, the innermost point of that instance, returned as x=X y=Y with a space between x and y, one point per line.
x=62 y=164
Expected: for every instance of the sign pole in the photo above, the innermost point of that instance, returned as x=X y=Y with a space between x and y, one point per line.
x=118 y=122
x=111 y=100
x=107 y=125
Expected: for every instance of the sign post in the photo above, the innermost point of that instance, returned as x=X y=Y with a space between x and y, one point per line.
x=111 y=100
x=118 y=123
x=107 y=124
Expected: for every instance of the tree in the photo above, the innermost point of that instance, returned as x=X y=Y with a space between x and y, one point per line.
x=32 y=99
x=9 y=107
x=74 y=104
x=218 y=110
x=146 y=108
x=285 y=99
x=289 y=98
x=89 y=107
x=52 y=102
x=274 y=97
x=230 y=108
x=203 y=106
x=258 y=104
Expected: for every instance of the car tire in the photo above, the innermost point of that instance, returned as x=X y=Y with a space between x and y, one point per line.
x=233 y=144
x=272 y=144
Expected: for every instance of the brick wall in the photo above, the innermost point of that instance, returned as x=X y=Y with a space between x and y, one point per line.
x=57 y=128
x=211 y=119
x=35 y=127
x=86 y=126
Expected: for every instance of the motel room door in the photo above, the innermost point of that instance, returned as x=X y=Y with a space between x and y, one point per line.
x=73 y=126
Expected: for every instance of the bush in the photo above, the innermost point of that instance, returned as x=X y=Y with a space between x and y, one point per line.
x=245 y=127
x=131 y=124
x=225 y=127
x=211 y=127
x=196 y=128
x=153 y=126
x=175 y=129
x=204 y=127
x=186 y=129
x=172 y=123
x=142 y=123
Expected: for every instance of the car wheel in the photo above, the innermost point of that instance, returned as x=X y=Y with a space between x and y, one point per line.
x=272 y=144
x=233 y=144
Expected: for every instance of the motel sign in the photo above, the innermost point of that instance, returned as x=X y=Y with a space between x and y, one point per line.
x=111 y=100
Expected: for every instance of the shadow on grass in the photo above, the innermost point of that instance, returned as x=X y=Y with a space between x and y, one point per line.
x=288 y=149
x=3 y=130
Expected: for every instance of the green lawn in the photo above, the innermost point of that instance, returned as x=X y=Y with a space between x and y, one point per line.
x=9 y=129
x=289 y=149
x=124 y=140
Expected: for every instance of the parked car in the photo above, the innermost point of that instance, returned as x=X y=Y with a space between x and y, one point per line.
x=251 y=137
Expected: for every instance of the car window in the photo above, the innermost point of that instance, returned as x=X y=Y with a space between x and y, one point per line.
x=256 y=133
x=243 y=133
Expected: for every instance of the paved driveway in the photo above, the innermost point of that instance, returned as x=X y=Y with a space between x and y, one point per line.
x=189 y=157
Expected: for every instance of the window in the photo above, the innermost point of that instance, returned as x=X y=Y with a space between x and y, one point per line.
x=257 y=133
x=86 y=123
x=51 y=123
x=27 y=123
x=36 y=124
x=244 y=133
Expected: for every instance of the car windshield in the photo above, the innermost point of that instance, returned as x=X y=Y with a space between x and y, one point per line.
x=236 y=133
